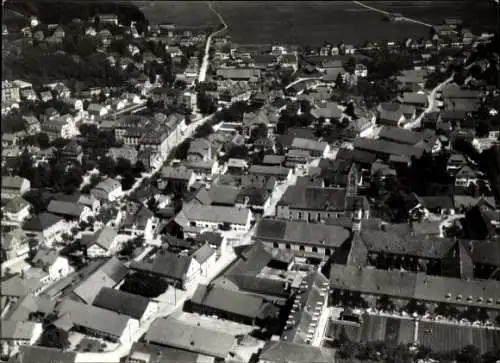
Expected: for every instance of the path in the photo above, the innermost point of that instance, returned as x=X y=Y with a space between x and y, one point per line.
x=298 y=80
x=164 y=310
x=389 y=13
x=431 y=101
x=204 y=64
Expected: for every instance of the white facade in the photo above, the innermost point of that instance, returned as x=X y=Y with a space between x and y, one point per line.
x=59 y=268
x=20 y=216
x=94 y=250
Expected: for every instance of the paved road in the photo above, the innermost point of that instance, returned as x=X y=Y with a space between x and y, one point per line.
x=388 y=13
x=298 y=80
x=165 y=310
x=206 y=60
x=431 y=99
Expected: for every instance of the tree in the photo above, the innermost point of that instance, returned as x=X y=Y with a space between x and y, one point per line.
x=152 y=204
x=122 y=166
x=350 y=65
x=107 y=166
x=203 y=130
x=128 y=180
x=54 y=337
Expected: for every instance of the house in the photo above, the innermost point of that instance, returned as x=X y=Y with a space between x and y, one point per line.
x=360 y=127
x=14 y=186
x=96 y=111
x=109 y=273
x=384 y=149
x=181 y=269
x=202 y=169
x=426 y=139
x=74 y=103
x=150 y=158
x=135 y=306
x=315 y=204
x=156 y=140
x=124 y=152
x=108 y=19
x=231 y=305
x=99 y=322
x=45 y=227
x=273 y=160
x=40 y=354
x=69 y=210
x=45 y=96
x=86 y=200
x=52 y=263
x=153 y=353
x=31 y=124
x=19 y=333
x=29 y=94
x=60 y=127
x=101 y=243
x=394 y=114
x=223 y=195
x=199 y=150
x=361 y=70
x=283 y=351
x=412 y=79
x=176 y=178
x=278 y=172
x=414 y=99
x=214 y=217
x=138 y=220
x=17 y=210
x=245 y=74
x=14 y=244
x=465 y=177
x=482 y=221
x=313 y=148
x=257 y=199
x=107 y=190
x=72 y=151
x=301 y=238
x=176 y=334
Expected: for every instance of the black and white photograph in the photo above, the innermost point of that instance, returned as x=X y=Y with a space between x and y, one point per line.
x=250 y=181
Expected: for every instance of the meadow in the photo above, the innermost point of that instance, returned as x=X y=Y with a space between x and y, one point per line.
x=315 y=22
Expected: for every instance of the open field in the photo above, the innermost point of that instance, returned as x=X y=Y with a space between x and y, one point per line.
x=193 y=13
x=316 y=22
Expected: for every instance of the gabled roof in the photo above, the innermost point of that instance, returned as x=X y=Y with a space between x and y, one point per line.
x=311 y=145
x=65 y=208
x=12 y=182
x=167 y=264
x=176 y=334
x=17 y=330
x=41 y=222
x=37 y=354
x=45 y=257
x=121 y=302
x=103 y=238
x=203 y=253
x=215 y=214
x=301 y=232
x=16 y=204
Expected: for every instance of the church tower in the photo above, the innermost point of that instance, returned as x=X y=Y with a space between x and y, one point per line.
x=352 y=182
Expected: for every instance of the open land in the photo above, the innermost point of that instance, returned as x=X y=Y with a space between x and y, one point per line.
x=315 y=22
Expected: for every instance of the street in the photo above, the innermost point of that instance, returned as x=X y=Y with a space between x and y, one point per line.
x=431 y=107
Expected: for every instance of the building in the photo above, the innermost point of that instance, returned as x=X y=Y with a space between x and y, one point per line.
x=313 y=148
x=107 y=190
x=155 y=140
x=103 y=323
x=427 y=139
x=414 y=99
x=69 y=210
x=17 y=210
x=309 y=313
x=176 y=178
x=465 y=177
x=301 y=238
x=278 y=172
x=135 y=306
x=395 y=114
x=182 y=269
x=14 y=186
x=19 y=333
x=176 y=334
x=108 y=273
x=39 y=354
x=231 y=305
x=10 y=93
x=199 y=150
x=14 y=244
x=52 y=263
x=102 y=243
x=304 y=203
x=214 y=217
x=45 y=227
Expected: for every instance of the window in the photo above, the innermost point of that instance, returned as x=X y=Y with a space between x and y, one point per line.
x=315 y=249
x=287 y=246
x=328 y=252
x=302 y=248
x=275 y=245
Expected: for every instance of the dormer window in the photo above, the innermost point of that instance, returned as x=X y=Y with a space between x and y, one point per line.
x=480 y=299
x=459 y=297
x=490 y=300
x=448 y=296
x=469 y=298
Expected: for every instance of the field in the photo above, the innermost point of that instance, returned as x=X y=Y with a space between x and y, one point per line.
x=194 y=13
x=446 y=337
x=316 y=22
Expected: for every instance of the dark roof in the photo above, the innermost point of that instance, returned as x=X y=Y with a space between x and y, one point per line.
x=203 y=253
x=358 y=156
x=159 y=354
x=212 y=238
x=404 y=136
x=301 y=232
x=37 y=354
x=121 y=302
x=230 y=301
x=256 y=196
x=387 y=147
x=486 y=252
x=41 y=222
x=167 y=264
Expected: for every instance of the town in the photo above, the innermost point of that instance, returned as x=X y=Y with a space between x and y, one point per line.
x=169 y=195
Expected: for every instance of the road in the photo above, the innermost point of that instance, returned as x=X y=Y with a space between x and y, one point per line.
x=298 y=80
x=204 y=64
x=388 y=13
x=431 y=99
x=164 y=310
